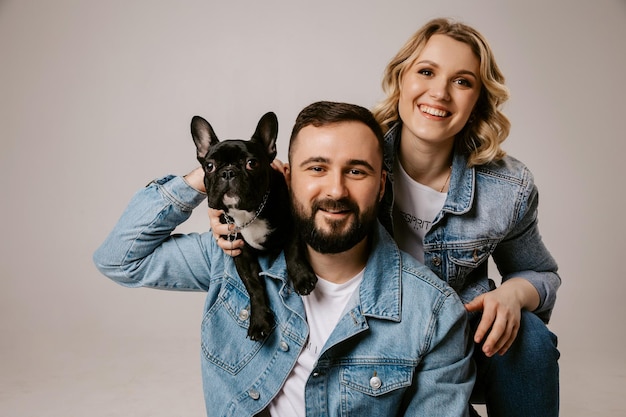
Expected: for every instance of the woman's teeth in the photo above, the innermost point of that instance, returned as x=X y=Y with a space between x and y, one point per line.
x=433 y=111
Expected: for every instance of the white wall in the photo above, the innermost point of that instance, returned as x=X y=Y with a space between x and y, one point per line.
x=96 y=99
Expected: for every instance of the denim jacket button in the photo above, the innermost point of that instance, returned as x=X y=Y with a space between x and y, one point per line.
x=436 y=261
x=254 y=394
x=375 y=382
x=243 y=314
x=284 y=346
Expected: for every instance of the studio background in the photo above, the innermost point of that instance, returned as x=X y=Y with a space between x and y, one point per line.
x=96 y=100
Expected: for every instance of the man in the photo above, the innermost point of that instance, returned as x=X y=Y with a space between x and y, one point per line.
x=379 y=336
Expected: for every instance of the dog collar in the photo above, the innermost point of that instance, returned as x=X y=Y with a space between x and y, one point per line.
x=238 y=228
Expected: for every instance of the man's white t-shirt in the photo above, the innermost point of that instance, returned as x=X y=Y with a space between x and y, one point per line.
x=324 y=306
x=414 y=209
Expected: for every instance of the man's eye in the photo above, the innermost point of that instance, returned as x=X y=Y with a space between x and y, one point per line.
x=252 y=164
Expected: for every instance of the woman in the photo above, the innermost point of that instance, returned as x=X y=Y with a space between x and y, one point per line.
x=453 y=199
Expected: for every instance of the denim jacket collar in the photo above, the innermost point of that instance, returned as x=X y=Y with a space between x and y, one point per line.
x=380 y=290
x=462 y=180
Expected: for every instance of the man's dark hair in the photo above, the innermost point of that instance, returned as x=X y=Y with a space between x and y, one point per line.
x=324 y=113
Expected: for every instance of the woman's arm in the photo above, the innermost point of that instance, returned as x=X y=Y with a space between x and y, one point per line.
x=529 y=281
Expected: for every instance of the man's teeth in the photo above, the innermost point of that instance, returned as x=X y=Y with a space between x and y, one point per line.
x=433 y=111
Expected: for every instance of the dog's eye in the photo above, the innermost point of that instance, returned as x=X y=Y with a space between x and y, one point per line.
x=252 y=164
x=209 y=167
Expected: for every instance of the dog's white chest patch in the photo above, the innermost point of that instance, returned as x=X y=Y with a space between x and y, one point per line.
x=255 y=233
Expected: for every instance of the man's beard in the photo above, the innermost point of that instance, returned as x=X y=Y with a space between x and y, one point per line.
x=334 y=241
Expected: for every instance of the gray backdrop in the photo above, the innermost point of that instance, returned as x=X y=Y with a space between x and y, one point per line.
x=96 y=99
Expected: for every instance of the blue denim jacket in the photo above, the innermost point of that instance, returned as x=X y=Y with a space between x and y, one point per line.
x=490 y=210
x=405 y=329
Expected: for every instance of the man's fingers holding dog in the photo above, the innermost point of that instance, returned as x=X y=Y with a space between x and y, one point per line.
x=279 y=166
x=230 y=247
x=219 y=229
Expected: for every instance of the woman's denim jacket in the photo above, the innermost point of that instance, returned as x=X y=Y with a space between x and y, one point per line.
x=490 y=210
x=402 y=347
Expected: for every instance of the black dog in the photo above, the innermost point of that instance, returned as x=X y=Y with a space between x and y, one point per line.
x=240 y=180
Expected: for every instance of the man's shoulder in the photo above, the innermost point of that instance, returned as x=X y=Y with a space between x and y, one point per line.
x=416 y=274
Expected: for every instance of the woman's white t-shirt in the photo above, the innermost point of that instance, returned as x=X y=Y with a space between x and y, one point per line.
x=414 y=209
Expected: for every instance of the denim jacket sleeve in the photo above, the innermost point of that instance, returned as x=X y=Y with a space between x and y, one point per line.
x=446 y=375
x=522 y=253
x=141 y=249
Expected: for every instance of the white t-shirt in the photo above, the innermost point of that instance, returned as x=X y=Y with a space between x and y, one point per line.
x=414 y=209
x=324 y=306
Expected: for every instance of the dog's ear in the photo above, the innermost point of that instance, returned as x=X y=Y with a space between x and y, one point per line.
x=266 y=133
x=203 y=136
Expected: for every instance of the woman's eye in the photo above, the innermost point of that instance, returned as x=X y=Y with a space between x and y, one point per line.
x=463 y=82
x=252 y=164
x=425 y=72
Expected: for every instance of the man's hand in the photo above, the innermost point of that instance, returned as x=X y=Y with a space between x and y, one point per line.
x=196 y=179
x=502 y=314
x=280 y=166
x=219 y=229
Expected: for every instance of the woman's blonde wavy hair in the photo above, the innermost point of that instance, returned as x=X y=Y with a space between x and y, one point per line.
x=488 y=127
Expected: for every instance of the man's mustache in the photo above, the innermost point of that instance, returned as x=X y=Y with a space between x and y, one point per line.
x=328 y=204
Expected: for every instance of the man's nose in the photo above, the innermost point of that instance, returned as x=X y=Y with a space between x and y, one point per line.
x=336 y=186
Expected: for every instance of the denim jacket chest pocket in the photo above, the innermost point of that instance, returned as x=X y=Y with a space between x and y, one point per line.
x=228 y=317
x=376 y=379
x=378 y=385
x=457 y=262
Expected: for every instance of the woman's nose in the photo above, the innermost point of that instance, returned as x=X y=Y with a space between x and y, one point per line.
x=439 y=90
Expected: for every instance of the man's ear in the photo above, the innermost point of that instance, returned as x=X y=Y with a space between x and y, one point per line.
x=287 y=173
x=383 y=181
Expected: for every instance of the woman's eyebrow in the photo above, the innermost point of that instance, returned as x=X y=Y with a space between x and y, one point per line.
x=434 y=64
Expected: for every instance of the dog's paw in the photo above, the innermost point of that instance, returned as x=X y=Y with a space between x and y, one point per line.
x=305 y=283
x=261 y=324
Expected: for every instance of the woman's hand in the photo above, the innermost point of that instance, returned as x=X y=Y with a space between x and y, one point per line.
x=502 y=314
x=221 y=232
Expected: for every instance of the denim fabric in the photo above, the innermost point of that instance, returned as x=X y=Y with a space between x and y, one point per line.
x=491 y=210
x=402 y=348
x=524 y=382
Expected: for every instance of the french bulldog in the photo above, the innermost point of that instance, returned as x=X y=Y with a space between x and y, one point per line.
x=240 y=180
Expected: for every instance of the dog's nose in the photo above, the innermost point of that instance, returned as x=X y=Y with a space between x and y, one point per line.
x=228 y=174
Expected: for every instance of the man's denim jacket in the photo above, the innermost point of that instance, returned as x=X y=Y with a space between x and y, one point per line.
x=490 y=210
x=402 y=347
